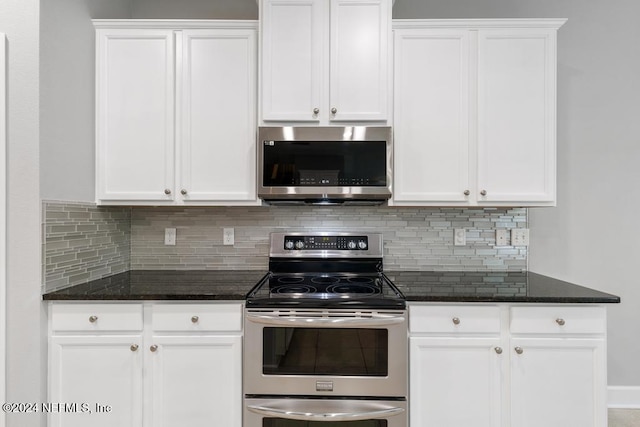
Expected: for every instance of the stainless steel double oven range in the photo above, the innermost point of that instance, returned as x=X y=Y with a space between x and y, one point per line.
x=325 y=336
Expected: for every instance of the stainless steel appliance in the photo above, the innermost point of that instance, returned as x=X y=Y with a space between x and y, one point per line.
x=324 y=165
x=325 y=335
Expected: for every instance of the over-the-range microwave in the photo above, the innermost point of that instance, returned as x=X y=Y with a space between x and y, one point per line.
x=324 y=165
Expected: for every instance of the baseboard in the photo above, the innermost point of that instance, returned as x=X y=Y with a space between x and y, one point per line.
x=624 y=397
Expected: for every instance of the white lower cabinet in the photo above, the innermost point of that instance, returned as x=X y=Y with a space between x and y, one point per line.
x=181 y=365
x=88 y=374
x=541 y=366
x=455 y=382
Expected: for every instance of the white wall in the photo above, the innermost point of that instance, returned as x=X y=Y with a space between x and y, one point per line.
x=583 y=240
x=67 y=95
x=195 y=9
x=26 y=347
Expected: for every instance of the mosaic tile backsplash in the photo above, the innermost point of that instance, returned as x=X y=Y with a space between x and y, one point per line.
x=133 y=238
x=82 y=242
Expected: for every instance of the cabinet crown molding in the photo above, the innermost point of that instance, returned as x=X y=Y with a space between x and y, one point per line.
x=175 y=24
x=552 y=23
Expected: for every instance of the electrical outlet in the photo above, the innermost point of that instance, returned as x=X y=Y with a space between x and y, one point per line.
x=228 y=236
x=520 y=237
x=170 y=236
x=502 y=237
x=459 y=237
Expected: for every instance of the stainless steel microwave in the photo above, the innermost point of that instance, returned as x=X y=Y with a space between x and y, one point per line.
x=324 y=165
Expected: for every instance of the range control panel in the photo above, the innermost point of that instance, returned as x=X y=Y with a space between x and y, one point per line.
x=341 y=243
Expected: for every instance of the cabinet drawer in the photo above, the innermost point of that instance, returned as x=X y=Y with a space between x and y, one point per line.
x=197 y=317
x=558 y=320
x=454 y=319
x=96 y=317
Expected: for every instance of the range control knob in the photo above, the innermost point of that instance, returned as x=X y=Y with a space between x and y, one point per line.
x=288 y=244
x=362 y=245
x=299 y=244
x=351 y=244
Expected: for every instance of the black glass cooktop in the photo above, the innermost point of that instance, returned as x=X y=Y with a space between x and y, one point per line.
x=322 y=290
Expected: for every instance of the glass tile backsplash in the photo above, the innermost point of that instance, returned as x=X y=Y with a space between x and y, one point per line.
x=83 y=242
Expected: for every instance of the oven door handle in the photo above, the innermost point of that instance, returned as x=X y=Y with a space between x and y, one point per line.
x=290 y=412
x=327 y=322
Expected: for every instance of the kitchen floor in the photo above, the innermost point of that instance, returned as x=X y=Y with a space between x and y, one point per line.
x=624 y=417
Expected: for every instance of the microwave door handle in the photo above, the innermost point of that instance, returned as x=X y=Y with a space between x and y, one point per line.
x=327 y=322
x=301 y=415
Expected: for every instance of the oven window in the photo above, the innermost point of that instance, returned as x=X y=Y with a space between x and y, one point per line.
x=279 y=422
x=325 y=351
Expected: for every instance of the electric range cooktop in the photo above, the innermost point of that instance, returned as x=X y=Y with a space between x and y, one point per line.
x=325 y=270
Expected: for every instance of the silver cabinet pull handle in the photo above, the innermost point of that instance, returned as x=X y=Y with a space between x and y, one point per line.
x=334 y=110
x=183 y=192
x=467 y=192
x=93 y=319
x=560 y=321
x=195 y=319
x=456 y=321
x=153 y=348
x=167 y=191
x=316 y=111
x=483 y=193
x=519 y=350
x=134 y=347
x=498 y=350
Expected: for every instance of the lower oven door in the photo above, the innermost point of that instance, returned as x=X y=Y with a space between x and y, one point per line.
x=325 y=353
x=324 y=412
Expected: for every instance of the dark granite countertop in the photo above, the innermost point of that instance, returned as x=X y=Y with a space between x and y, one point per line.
x=164 y=285
x=425 y=286
x=493 y=286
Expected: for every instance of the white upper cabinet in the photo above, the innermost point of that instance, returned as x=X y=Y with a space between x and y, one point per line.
x=218 y=115
x=431 y=132
x=176 y=112
x=475 y=112
x=325 y=61
x=517 y=115
x=134 y=114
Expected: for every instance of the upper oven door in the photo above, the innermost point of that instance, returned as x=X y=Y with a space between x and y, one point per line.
x=336 y=353
x=324 y=163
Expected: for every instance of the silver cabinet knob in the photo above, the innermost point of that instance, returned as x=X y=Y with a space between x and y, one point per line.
x=93 y=319
x=167 y=191
x=498 y=350
x=467 y=192
x=560 y=321
x=334 y=110
x=153 y=348
x=483 y=193
x=195 y=319
x=183 y=192
x=316 y=111
x=134 y=347
x=456 y=321
x=519 y=350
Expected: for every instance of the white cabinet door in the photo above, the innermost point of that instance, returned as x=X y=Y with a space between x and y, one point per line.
x=359 y=70
x=196 y=381
x=517 y=115
x=217 y=116
x=558 y=382
x=325 y=61
x=455 y=382
x=134 y=114
x=431 y=107
x=293 y=40
x=96 y=370
x=475 y=112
